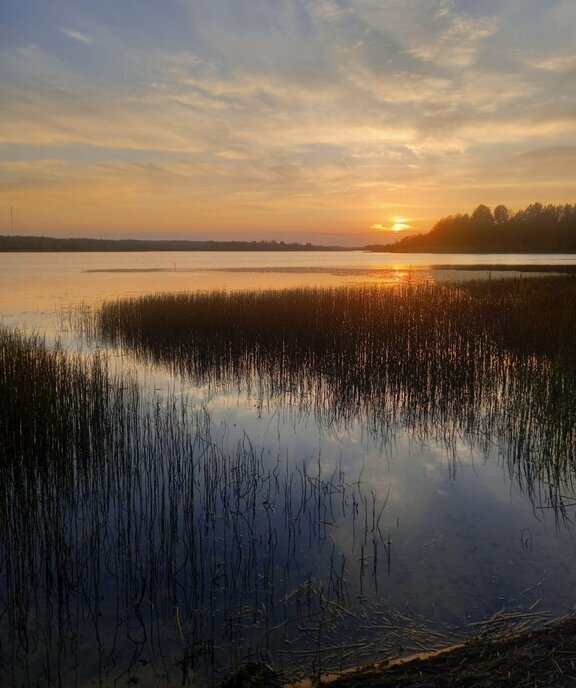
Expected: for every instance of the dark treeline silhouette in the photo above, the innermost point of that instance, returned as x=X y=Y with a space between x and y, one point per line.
x=536 y=229
x=14 y=243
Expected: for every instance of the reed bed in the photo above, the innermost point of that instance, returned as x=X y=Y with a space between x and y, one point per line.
x=492 y=362
x=137 y=543
x=142 y=541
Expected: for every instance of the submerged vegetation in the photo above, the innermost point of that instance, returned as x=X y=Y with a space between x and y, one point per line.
x=140 y=540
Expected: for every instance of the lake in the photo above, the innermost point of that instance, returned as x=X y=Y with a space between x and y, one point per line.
x=364 y=486
x=36 y=282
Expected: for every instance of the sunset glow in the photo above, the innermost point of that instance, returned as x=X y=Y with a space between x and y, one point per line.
x=400 y=224
x=300 y=121
x=397 y=224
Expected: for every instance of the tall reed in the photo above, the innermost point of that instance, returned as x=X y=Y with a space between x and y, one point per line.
x=492 y=361
x=136 y=541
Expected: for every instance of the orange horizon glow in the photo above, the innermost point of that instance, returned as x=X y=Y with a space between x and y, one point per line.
x=112 y=132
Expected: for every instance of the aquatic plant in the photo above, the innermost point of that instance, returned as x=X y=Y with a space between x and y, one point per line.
x=142 y=540
x=442 y=361
x=136 y=540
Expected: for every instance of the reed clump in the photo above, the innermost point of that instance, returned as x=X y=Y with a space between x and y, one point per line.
x=54 y=405
x=492 y=361
x=132 y=530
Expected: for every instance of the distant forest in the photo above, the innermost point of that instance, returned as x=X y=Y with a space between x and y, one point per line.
x=536 y=229
x=15 y=243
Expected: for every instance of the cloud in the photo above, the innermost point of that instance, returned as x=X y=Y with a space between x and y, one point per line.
x=335 y=109
x=432 y=31
x=555 y=164
x=559 y=63
x=457 y=44
x=78 y=36
x=328 y=10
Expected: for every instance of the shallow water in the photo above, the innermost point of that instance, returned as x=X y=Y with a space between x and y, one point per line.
x=32 y=282
x=269 y=528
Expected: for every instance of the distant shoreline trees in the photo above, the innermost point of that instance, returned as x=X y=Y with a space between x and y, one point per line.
x=41 y=244
x=536 y=229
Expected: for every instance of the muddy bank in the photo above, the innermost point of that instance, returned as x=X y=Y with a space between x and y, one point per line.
x=545 y=657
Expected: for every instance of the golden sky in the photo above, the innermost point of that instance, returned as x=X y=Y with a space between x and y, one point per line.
x=332 y=121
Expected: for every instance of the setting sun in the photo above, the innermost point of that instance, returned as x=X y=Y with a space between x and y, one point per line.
x=397 y=224
x=400 y=223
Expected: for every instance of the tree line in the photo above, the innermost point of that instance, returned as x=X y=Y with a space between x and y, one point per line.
x=23 y=243
x=536 y=229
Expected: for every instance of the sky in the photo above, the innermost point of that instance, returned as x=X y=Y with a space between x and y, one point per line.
x=330 y=121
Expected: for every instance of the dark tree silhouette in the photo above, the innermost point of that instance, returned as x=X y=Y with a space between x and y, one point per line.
x=482 y=216
x=501 y=214
x=536 y=229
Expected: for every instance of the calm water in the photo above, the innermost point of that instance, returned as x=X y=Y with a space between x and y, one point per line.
x=36 y=282
x=327 y=539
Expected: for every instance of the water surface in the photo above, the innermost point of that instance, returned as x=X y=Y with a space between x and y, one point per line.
x=258 y=514
x=31 y=282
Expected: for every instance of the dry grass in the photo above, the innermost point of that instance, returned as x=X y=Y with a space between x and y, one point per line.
x=542 y=658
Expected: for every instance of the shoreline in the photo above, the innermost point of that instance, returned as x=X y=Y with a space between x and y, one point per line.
x=503 y=656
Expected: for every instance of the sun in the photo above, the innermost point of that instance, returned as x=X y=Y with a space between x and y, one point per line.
x=397 y=224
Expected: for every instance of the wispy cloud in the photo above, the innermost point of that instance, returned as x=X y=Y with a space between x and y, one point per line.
x=77 y=36
x=559 y=63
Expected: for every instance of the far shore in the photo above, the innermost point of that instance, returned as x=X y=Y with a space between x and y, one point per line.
x=10 y=243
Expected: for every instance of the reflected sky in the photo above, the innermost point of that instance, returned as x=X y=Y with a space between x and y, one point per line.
x=466 y=542
x=34 y=282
